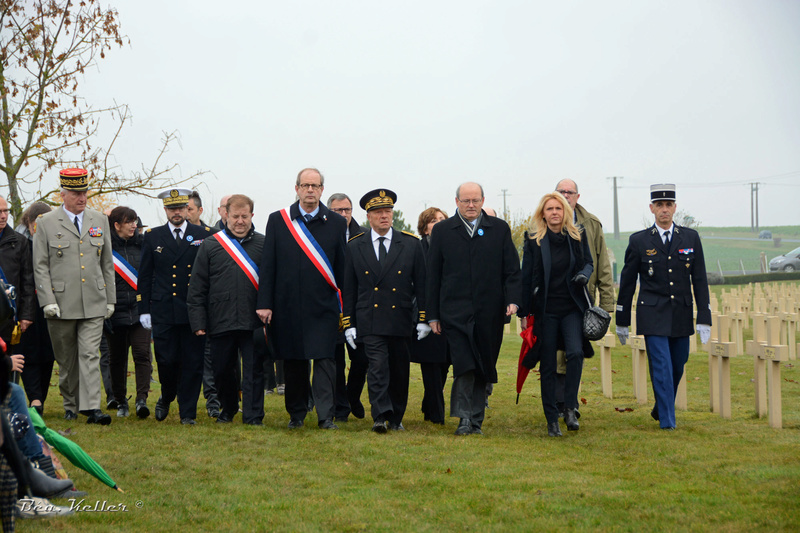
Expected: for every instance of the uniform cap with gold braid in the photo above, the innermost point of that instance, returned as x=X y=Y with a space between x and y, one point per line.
x=74 y=179
x=175 y=197
x=378 y=199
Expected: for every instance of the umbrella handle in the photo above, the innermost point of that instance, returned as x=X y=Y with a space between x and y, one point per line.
x=517 y=398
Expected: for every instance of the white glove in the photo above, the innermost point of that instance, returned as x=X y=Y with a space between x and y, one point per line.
x=422 y=331
x=622 y=334
x=52 y=310
x=350 y=335
x=705 y=333
x=145 y=321
x=109 y=310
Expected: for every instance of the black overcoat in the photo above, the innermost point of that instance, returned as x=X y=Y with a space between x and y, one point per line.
x=379 y=299
x=471 y=281
x=305 y=309
x=433 y=348
x=221 y=296
x=666 y=280
x=164 y=272
x=126 y=310
x=536 y=268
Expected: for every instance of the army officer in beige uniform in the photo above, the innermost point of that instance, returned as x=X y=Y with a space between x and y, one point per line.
x=74 y=273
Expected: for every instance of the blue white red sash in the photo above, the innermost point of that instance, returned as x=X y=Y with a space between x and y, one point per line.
x=125 y=270
x=240 y=257
x=312 y=249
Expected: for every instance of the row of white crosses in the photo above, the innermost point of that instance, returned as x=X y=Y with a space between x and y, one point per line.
x=774 y=310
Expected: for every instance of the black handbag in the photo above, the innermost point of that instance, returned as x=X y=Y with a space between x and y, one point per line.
x=595 y=320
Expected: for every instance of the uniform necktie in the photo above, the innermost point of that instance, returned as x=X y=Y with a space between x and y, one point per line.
x=177 y=234
x=77 y=225
x=381 y=249
x=666 y=239
x=308 y=218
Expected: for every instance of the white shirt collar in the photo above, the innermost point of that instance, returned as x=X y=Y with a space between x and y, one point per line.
x=183 y=226
x=375 y=236
x=662 y=231
x=313 y=213
x=73 y=215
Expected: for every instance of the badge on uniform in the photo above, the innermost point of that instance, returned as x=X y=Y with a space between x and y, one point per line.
x=480 y=231
x=59 y=235
x=196 y=243
x=686 y=251
x=189 y=238
x=651 y=252
x=650 y=270
x=158 y=249
x=95 y=232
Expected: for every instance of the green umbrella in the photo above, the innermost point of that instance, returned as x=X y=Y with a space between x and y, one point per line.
x=71 y=451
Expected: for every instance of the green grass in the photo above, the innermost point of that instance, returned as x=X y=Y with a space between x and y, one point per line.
x=618 y=473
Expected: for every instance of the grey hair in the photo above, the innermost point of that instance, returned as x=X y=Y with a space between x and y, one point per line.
x=567 y=179
x=321 y=177
x=458 y=190
x=338 y=197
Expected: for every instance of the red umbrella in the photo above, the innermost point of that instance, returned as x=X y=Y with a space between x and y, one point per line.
x=528 y=340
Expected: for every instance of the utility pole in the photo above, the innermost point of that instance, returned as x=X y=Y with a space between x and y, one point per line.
x=505 y=210
x=754 y=207
x=616 y=208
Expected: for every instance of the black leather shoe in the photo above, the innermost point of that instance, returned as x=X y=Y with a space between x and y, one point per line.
x=162 y=409
x=464 y=427
x=141 y=409
x=343 y=419
x=254 y=423
x=43 y=485
x=654 y=413
x=553 y=429
x=379 y=427
x=213 y=412
x=327 y=424
x=112 y=404
x=295 y=423
x=70 y=415
x=96 y=416
x=123 y=411
x=571 y=420
x=188 y=421
x=560 y=407
x=476 y=430
x=224 y=419
x=396 y=427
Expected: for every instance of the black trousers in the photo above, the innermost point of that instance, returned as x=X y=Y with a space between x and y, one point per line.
x=387 y=376
x=299 y=390
x=136 y=338
x=209 y=390
x=39 y=358
x=225 y=349
x=179 y=356
x=434 y=377
x=569 y=328
x=348 y=392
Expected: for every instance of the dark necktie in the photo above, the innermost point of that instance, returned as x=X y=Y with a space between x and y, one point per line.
x=666 y=239
x=77 y=225
x=177 y=234
x=308 y=218
x=381 y=249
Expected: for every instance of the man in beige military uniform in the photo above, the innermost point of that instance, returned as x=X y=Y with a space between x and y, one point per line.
x=74 y=273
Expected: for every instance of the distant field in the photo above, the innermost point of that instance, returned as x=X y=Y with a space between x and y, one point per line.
x=727 y=245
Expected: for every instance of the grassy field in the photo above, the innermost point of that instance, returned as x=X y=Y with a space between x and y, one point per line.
x=726 y=245
x=618 y=473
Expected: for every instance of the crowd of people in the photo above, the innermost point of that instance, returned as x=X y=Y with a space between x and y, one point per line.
x=234 y=312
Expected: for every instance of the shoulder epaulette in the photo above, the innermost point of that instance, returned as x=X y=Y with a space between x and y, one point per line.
x=410 y=234
x=207 y=228
x=148 y=230
x=40 y=216
x=356 y=236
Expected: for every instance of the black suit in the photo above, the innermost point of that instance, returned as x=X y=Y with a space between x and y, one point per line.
x=471 y=281
x=164 y=274
x=379 y=302
x=305 y=309
x=667 y=277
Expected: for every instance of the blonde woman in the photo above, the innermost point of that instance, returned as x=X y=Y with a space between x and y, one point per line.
x=556 y=266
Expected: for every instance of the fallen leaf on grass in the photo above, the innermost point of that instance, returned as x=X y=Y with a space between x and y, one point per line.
x=448 y=471
x=613 y=371
x=539 y=492
x=66 y=432
x=583 y=401
x=623 y=409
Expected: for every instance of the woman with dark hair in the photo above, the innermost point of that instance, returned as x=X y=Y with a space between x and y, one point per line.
x=431 y=352
x=123 y=329
x=35 y=341
x=556 y=265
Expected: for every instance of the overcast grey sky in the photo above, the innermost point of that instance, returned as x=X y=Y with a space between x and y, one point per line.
x=420 y=96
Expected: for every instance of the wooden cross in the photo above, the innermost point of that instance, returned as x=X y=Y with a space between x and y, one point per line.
x=774 y=353
x=722 y=350
x=639 y=360
x=759 y=367
x=607 y=342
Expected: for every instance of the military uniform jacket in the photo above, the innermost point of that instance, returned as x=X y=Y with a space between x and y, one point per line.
x=15 y=260
x=221 y=296
x=305 y=309
x=165 y=270
x=666 y=280
x=74 y=271
x=470 y=283
x=379 y=299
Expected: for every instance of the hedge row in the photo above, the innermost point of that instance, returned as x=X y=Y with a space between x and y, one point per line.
x=716 y=279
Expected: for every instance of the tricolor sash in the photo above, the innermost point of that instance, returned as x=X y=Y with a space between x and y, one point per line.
x=312 y=249
x=125 y=270
x=239 y=256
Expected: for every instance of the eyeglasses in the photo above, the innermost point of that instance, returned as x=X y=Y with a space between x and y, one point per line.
x=311 y=186
x=471 y=202
x=564 y=192
x=342 y=210
x=4 y=211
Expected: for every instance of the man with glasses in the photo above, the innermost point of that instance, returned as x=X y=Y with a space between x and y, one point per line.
x=601 y=280
x=348 y=393
x=473 y=283
x=298 y=296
